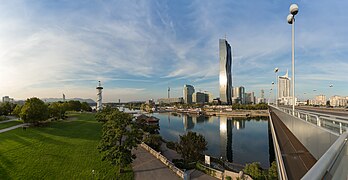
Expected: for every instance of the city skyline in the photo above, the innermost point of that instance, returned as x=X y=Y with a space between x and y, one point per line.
x=50 y=48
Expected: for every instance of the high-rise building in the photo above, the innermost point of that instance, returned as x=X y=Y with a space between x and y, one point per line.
x=6 y=99
x=283 y=88
x=225 y=76
x=198 y=97
x=249 y=98
x=239 y=95
x=187 y=93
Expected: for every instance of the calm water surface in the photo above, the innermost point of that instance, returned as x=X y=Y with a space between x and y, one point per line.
x=236 y=140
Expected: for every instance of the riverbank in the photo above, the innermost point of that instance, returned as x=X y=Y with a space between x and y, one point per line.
x=238 y=113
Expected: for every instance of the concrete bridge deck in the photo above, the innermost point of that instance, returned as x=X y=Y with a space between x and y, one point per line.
x=297 y=159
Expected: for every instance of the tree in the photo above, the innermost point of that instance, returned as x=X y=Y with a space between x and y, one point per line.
x=74 y=105
x=85 y=107
x=154 y=141
x=17 y=110
x=101 y=115
x=119 y=137
x=191 y=146
x=6 y=108
x=272 y=171
x=254 y=170
x=57 y=110
x=34 y=110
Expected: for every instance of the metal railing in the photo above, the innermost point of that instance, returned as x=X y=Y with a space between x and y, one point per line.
x=279 y=158
x=335 y=124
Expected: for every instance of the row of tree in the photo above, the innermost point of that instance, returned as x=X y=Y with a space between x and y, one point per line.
x=35 y=110
x=6 y=108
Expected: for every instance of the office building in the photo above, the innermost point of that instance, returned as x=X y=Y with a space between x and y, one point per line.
x=187 y=93
x=239 y=95
x=199 y=97
x=225 y=76
x=262 y=98
x=249 y=98
x=7 y=99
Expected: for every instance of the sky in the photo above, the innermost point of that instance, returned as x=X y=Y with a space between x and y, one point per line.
x=139 y=48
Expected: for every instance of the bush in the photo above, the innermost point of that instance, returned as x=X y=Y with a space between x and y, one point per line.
x=228 y=178
x=3 y=118
x=171 y=145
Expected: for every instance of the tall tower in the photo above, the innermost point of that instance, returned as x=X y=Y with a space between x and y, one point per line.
x=168 y=92
x=187 y=93
x=225 y=76
x=63 y=97
x=99 y=97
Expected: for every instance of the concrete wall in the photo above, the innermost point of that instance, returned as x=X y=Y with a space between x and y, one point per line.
x=316 y=139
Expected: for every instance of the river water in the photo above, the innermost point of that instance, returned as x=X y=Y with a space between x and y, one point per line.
x=237 y=140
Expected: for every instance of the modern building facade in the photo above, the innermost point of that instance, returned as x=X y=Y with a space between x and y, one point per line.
x=250 y=98
x=199 y=97
x=225 y=76
x=187 y=93
x=283 y=88
x=239 y=95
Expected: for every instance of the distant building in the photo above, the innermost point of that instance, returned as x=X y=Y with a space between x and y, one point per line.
x=63 y=97
x=170 y=100
x=7 y=99
x=338 y=101
x=249 y=98
x=283 y=88
x=199 y=97
x=225 y=76
x=208 y=97
x=187 y=93
x=319 y=100
x=239 y=95
x=262 y=98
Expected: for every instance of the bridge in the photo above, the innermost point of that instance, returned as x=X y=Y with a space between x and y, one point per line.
x=310 y=143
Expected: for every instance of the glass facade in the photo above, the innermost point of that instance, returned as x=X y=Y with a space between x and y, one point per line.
x=225 y=76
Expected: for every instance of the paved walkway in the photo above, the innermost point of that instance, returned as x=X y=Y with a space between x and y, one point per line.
x=169 y=153
x=148 y=167
x=8 y=121
x=13 y=127
x=297 y=159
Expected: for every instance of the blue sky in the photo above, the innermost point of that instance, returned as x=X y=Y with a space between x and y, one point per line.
x=139 y=48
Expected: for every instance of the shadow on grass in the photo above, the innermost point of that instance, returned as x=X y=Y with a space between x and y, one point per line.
x=4 y=164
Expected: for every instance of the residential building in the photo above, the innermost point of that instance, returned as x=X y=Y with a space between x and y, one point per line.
x=7 y=99
x=338 y=101
x=225 y=76
x=319 y=100
x=187 y=93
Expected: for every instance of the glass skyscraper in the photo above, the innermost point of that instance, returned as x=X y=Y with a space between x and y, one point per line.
x=187 y=93
x=225 y=76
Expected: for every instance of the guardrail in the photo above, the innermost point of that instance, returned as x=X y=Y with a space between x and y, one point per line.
x=327 y=161
x=279 y=158
x=335 y=124
x=164 y=160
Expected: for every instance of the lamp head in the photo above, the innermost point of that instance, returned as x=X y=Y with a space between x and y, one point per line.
x=276 y=70
x=293 y=9
x=289 y=18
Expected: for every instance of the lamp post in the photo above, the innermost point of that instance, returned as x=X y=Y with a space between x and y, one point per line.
x=291 y=20
x=272 y=89
x=276 y=72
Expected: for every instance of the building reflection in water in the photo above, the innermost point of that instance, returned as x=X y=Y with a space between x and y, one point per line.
x=188 y=122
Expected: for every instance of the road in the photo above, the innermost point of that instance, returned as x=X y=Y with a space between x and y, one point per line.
x=330 y=111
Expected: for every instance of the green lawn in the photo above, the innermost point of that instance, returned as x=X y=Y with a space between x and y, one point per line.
x=62 y=150
x=9 y=124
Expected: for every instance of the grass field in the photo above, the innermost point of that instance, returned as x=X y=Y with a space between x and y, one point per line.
x=9 y=124
x=62 y=150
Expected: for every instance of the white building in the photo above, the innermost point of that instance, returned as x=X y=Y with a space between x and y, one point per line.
x=338 y=101
x=284 y=88
x=238 y=95
x=319 y=100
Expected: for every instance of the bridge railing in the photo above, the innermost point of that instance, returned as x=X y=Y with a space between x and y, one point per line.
x=335 y=124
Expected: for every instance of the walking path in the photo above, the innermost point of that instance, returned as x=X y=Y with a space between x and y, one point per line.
x=13 y=127
x=297 y=159
x=148 y=167
x=8 y=121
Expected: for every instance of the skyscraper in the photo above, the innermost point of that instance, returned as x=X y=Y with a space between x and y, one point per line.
x=225 y=76
x=187 y=93
x=239 y=95
x=284 y=86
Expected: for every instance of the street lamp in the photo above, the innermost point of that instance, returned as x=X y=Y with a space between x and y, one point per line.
x=272 y=90
x=276 y=71
x=291 y=20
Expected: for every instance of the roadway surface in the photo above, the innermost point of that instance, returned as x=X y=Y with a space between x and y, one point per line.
x=329 y=111
x=297 y=159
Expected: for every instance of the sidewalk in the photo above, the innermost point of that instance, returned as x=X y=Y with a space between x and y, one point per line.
x=13 y=127
x=148 y=167
x=8 y=120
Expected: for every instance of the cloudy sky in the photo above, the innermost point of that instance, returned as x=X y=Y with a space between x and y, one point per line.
x=139 y=48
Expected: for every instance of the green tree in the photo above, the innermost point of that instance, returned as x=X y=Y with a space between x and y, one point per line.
x=6 y=108
x=34 y=110
x=85 y=107
x=272 y=171
x=74 y=105
x=101 y=116
x=191 y=146
x=254 y=170
x=119 y=136
x=17 y=110
x=57 y=110
x=154 y=141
